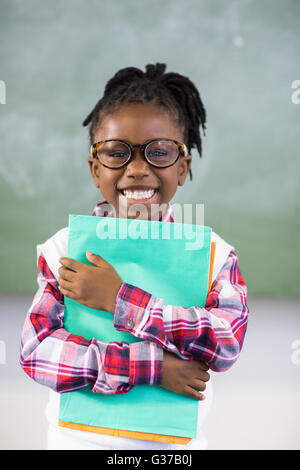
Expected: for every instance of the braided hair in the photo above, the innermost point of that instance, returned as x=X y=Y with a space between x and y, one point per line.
x=169 y=90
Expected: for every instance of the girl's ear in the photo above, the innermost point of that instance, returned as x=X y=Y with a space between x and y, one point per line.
x=94 y=169
x=184 y=167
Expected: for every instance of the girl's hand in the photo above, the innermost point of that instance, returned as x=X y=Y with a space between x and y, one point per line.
x=185 y=377
x=94 y=286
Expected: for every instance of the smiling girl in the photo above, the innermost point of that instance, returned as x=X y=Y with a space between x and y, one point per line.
x=141 y=131
x=139 y=182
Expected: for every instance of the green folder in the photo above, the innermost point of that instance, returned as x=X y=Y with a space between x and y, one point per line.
x=169 y=260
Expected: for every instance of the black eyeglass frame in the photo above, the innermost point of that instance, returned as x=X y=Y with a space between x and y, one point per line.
x=182 y=150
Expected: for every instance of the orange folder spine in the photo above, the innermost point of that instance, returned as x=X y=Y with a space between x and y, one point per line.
x=211 y=263
x=124 y=433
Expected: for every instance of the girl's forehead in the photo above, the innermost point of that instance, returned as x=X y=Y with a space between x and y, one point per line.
x=138 y=123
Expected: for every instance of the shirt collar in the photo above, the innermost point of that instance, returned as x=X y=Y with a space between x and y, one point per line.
x=98 y=211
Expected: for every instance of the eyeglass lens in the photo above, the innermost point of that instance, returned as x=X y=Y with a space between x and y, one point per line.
x=114 y=154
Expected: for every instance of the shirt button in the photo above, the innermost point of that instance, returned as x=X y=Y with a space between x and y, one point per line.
x=129 y=324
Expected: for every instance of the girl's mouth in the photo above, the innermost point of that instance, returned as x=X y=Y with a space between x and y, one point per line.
x=140 y=196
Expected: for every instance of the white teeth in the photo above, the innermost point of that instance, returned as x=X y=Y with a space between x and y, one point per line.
x=139 y=194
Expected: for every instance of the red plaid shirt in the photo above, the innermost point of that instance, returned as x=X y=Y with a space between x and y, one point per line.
x=52 y=356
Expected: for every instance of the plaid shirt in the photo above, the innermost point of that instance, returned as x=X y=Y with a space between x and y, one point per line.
x=52 y=356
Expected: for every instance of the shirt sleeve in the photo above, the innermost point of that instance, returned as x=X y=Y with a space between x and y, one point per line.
x=213 y=334
x=54 y=357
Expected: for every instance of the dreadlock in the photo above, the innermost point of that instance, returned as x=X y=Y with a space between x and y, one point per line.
x=169 y=90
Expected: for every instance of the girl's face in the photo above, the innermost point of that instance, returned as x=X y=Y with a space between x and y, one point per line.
x=138 y=123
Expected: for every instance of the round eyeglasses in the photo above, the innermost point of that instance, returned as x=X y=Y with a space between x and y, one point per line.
x=160 y=153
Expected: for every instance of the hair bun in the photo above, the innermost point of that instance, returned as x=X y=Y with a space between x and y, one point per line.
x=155 y=71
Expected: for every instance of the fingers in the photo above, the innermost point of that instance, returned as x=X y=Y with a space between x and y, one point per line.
x=66 y=274
x=204 y=376
x=97 y=259
x=71 y=263
x=192 y=393
x=65 y=281
x=66 y=292
x=67 y=285
x=198 y=369
x=199 y=385
x=202 y=365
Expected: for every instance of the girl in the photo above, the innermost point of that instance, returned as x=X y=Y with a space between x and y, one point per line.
x=142 y=131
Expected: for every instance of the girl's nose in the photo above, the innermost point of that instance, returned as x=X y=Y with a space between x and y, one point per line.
x=138 y=165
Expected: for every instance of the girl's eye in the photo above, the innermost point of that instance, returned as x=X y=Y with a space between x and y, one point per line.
x=118 y=155
x=157 y=153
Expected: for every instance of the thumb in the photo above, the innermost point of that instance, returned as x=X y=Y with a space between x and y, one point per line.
x=97 y=260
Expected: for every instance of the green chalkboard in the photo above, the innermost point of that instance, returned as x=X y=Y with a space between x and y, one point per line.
x=56 y=58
